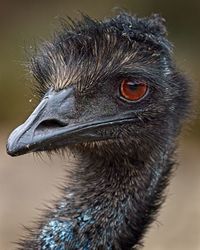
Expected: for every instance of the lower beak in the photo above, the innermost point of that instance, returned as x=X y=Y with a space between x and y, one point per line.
x=54 y=124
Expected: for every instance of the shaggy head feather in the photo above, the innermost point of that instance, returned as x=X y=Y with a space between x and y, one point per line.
x=87 y=52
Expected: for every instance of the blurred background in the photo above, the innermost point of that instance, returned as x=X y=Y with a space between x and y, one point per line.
x=27 y=183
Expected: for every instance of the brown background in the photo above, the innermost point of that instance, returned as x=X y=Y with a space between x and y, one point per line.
x=27 y=182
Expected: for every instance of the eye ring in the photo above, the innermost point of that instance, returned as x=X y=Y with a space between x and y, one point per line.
x=133 y=91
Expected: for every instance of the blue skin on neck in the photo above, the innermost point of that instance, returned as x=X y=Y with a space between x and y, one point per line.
x=61 y=235
x=72 y=233
x=57 y=234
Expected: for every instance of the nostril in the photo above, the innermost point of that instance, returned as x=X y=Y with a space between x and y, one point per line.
x=50 y=124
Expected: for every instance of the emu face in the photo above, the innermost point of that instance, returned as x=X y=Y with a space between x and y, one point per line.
x=103 y=83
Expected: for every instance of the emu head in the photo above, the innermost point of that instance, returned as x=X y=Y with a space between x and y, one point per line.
x=104 y=85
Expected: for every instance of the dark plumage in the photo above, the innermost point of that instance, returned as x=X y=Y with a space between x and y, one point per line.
x=124 y=148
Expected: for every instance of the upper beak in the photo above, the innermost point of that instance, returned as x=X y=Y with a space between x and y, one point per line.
x=45 y=126
x=54 y=124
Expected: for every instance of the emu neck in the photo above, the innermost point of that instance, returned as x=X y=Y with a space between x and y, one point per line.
x=125 y=194
x=108 y=204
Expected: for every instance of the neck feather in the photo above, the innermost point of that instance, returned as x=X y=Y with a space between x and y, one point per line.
x=109 y=203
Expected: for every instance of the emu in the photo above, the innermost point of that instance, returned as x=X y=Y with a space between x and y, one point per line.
x=111 y=94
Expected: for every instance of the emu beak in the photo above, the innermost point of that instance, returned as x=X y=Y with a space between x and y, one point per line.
x=44 y=126
x=56 y=123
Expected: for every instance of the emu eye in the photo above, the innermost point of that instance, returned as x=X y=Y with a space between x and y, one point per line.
x=133 y=91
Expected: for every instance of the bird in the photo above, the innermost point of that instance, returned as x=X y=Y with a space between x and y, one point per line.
x=109 y=92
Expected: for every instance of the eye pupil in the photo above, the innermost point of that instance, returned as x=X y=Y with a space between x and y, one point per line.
x=133 y=91
x=132 y=86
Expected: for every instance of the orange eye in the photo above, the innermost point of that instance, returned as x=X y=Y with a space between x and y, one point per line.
x=133 y=91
